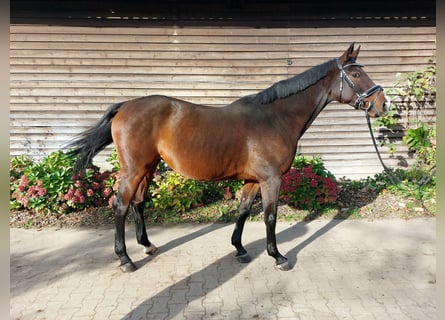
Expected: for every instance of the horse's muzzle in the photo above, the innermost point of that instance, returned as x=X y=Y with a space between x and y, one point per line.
x=371 y=107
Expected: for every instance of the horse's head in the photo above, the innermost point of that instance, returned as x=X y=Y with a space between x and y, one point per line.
x=356 y=88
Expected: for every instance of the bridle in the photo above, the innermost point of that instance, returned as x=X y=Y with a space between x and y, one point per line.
x=359 y=105
x=359 y=102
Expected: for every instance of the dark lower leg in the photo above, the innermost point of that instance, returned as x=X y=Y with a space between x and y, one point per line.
x=248 y=195
x=236 y=236
x=141 y=231
x=120 y=212
x=272 y=249
x=269 y=192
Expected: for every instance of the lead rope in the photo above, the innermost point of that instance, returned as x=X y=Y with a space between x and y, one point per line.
x=425 y=179
x=387 y=170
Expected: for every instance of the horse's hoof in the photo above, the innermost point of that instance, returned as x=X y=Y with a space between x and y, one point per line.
x=244 y=258
x=128 y=267
x=284 y=266
x=152 y=249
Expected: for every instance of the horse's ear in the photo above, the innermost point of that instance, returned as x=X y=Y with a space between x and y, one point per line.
x=349 y=54
x=355 y=53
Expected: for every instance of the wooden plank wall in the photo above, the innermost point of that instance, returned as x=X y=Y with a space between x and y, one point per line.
x=63 y=78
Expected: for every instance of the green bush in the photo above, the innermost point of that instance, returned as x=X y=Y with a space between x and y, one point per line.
x=422 y=141
x=173 y=191
x=170 y=190
x=48 y=185
x=226 y=189
x=308 y=185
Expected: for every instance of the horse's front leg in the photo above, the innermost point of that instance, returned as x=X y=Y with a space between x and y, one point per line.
x=269 y=193
x=248 y=194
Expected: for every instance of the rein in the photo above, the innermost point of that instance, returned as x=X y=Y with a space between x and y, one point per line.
x=387 y=170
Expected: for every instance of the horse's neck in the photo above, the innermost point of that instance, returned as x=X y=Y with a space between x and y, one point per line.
x=303 y=108
x=316 y=111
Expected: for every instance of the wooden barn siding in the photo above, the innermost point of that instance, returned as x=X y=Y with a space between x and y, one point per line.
x=63 y=78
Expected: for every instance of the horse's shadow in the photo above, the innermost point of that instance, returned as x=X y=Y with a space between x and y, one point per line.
x=178 y=241
x=255 y=249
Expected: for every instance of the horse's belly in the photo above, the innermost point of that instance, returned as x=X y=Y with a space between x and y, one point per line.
x=202 y=164
x=201 y=169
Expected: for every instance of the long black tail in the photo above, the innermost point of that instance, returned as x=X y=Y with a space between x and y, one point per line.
x=90 y=142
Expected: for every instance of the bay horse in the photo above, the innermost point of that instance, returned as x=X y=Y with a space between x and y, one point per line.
x=252 y=139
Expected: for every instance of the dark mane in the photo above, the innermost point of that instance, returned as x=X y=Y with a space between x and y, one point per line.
x=285 y=88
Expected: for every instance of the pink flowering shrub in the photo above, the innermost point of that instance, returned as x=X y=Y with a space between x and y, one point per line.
x=308 y=185
x=48 y=185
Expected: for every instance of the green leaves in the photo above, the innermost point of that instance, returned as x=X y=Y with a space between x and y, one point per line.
x=411 y=95
x=418 y=138
x=421 y=141
x=390 y=120
x=173 y=191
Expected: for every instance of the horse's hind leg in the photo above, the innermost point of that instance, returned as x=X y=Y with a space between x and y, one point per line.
x=131 y=195
x=137 y=206
x=141 y=231
x=120 y=208
x=248 y=194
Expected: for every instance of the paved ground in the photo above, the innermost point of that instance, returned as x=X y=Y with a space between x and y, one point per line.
x=341 y=270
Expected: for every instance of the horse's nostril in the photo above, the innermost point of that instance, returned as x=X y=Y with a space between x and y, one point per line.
x=386 y=106
x=387 y=103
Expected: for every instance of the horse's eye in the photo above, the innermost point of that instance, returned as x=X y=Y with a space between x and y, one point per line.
x=356 y=74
